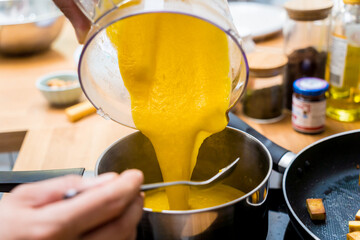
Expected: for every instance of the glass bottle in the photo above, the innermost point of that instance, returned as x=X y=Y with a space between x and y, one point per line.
x=337 y=8
x=306 y=35
x=343 y=74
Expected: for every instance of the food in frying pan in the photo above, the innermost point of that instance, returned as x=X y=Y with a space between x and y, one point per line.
x=316 y=208
x=353 y=236
x=357 y=216
x=354 y=226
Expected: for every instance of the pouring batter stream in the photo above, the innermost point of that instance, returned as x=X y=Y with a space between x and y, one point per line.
x=177 y=71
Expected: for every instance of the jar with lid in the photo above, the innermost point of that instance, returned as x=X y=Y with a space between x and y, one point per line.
x=309 y=105
x=344 y=65
x=263 y=100
x=306 y=34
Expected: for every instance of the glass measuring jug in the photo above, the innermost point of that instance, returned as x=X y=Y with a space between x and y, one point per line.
x=99 y=72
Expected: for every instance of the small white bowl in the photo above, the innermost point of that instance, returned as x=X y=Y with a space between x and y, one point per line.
x=60 y=96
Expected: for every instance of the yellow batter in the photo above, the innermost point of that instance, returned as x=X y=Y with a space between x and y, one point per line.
x=177 y=71
x=198 y=198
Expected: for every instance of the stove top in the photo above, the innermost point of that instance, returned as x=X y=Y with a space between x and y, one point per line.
x=279 y=227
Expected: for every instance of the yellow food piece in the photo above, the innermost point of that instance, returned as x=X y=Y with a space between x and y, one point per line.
x=198 y=198
x=177 y=71
x=316 y=208
x=58 y=83
x=79 y=111
x=353 y=236
x=357 y=216
x=354 y=226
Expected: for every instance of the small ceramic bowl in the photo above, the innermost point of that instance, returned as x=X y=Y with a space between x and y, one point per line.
x=60 y=88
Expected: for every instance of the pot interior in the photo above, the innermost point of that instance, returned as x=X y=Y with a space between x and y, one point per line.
x=217 y=151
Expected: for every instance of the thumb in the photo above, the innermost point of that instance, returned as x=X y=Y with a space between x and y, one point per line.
x=52 y=190
x=79 y=21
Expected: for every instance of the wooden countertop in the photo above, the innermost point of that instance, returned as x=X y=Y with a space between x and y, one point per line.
x=47 y=140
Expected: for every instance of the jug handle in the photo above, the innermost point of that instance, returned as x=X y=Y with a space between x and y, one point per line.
x=87 y=8
x=95 y=9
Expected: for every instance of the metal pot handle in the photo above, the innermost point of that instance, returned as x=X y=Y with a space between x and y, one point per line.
x=281 y=157
x=10 y=179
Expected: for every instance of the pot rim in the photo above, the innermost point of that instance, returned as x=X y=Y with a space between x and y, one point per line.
x=178 y=212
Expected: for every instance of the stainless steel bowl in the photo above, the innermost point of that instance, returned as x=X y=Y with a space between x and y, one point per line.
x=28 y=26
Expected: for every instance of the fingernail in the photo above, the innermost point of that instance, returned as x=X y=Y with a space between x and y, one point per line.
x=105 y=177
x=80 y=35
x=133 y=173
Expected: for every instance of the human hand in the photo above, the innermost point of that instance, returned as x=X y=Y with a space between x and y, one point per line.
x=108 y=207
x=80 y=23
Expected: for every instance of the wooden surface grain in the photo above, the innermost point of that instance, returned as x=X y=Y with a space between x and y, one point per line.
x=52 y=142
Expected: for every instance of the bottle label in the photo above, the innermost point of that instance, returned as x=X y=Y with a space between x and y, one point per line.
x=353 y=34
x=352 y=62
x=337 y=60
x=308 y=117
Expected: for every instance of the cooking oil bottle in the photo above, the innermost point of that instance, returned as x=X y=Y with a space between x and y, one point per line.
x=343 y=73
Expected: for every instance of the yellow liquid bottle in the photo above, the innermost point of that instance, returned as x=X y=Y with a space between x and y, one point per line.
x=343 y=74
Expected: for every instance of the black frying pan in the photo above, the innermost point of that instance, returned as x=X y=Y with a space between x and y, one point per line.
x=326 y=169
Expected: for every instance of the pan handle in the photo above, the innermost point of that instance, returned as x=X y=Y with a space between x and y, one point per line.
x=10 y=179
x=281 y=157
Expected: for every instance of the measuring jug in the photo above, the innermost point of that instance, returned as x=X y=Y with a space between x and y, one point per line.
x=99 y=72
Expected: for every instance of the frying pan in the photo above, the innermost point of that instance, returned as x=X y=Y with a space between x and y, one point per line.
x=326 y=169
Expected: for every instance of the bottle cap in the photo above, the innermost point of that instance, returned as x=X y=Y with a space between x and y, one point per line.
x=266 y=63
x=308 y=10
x=310 y=86
x=351 y=1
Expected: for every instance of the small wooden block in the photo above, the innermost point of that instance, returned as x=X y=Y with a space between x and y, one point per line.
x=353 y=236
x=357 y=216
x=354 y=226
x=316 y=208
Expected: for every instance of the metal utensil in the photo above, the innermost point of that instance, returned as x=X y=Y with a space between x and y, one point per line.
x=224 y=172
